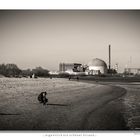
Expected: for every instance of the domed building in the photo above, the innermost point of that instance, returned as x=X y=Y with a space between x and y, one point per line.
x=97 y=67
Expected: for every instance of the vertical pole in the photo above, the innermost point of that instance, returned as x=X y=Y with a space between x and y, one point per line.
x=109 y=57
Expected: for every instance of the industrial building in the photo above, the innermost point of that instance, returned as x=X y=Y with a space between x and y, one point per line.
x=134 y=71
x=97 y=67
x=94 y=67
x=64 y=67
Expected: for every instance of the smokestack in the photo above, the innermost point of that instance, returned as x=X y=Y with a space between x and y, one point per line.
x=109 y=57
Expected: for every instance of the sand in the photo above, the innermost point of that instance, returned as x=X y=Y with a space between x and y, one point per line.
x=72 y=105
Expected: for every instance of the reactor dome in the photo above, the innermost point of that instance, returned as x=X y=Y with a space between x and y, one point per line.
x=97 y=66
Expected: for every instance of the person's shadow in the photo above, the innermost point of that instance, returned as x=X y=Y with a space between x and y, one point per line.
x=58 y=104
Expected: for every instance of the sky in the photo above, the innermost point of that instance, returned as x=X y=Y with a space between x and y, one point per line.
x=32 y=38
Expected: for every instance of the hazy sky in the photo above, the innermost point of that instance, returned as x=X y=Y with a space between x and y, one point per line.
x=46 y=38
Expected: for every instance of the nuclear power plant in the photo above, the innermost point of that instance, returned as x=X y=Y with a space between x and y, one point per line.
x=69 y=66
x=95 y=67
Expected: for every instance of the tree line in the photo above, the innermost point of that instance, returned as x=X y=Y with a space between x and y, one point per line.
x=12 y=70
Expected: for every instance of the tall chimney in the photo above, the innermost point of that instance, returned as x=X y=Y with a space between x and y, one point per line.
x=109 y=57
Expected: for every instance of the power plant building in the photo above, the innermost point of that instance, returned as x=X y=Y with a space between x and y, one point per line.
x=97 y=67
x=63 y=67
x=94 y=67
x=135 y=71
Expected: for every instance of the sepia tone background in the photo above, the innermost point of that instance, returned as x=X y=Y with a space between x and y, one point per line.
x=47 y=37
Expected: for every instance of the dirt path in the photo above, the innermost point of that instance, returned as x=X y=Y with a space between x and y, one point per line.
x=103 y=111
x=73 y=106
x=131 y=103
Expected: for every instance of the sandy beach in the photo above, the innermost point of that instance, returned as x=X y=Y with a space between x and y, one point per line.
x=72 y=105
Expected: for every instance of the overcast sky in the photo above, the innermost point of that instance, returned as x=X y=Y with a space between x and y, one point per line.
x=46 y=38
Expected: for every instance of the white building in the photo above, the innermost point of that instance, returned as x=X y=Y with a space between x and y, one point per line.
x=97 y=67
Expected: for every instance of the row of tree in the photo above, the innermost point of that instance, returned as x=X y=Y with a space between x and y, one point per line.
x=38 y=71
x=12 y=70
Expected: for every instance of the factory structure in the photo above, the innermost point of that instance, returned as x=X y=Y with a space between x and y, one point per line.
x=76 y=67
x=132 y=71
x=95 y=67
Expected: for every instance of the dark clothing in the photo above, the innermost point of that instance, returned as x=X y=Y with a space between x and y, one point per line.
x=45 y=100
x=42 y=98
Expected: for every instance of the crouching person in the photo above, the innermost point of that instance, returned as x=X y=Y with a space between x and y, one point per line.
x=42 y=98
